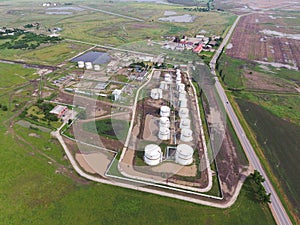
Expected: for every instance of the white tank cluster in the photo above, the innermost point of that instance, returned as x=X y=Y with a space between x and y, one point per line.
x=156 y=93
x=164 y=133
x=164 y=122
x=80 y=64
x=184 y=154
x=152 y=155
x=163 y=85
x=186 y=135
x=165 y=111
x=185 y=124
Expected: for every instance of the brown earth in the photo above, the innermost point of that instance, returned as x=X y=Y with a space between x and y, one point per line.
x=249 y=43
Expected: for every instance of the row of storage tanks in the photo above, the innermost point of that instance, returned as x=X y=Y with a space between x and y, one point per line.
x=183 y=156
x=184 y=152
x=87 y=65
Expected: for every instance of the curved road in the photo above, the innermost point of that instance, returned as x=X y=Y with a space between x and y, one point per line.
x=276 y=206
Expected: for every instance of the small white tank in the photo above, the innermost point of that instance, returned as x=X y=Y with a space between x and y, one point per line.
x=182 y=95
x=184 y=154
x=156 y=93
x=163 y=85
x=183 y=103
x=168 y=78
x=164 y=133
x=164 y=122
x=184 y=113
x=97 y=67
x=165 y=111
x=186 y=135
x=180 y=87
x=152 y=155
x=88 y=65
x=185 y=124
x=80 y=64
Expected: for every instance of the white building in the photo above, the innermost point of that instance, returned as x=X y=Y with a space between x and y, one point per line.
x=97 y=67
x=165 y=111
x=182 y=94
x=59 y=110
x=180 y=87
x=186 y=135
x=152 y=155
x=164 y=133
x=185 y=124
x=156 y=93
x=184 y=154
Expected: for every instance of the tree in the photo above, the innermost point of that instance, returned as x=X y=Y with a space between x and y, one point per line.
x=4 y=108
x=256 y=180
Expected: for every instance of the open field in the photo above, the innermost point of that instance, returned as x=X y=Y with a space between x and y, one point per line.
x=13 y=75
x=279 y=140
x=243 y=74
x=268 y=38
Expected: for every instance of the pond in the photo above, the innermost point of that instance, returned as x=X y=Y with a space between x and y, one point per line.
x=94 y=57
x=186 y=18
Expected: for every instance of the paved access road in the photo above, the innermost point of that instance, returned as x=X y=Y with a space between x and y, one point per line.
x=276 y=206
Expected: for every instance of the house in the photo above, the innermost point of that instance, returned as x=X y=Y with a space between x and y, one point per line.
x=59 y=110
x=198 y=48
x=117 y=94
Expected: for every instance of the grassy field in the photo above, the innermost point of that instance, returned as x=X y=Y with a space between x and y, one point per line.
x=13 y=75
x=279 y=140
x=111 y=128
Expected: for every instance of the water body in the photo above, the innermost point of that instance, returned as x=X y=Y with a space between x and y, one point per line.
x=65 y=8
x=59 y=13
x=93 y=57
x=186 y=18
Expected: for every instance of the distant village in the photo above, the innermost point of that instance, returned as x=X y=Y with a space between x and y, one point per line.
x=197 y=43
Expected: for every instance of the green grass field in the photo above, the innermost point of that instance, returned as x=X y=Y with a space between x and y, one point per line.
x=111 y=128
x=279 y=140
x=13 y=75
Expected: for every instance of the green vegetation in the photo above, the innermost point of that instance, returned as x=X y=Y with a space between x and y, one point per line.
x=279 y=140
x=256 y=180
x=110 y=128
x=27 y=40
x=14 y=74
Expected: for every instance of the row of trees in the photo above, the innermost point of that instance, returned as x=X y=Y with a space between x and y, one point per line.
x=27 y=40
x=256 y=180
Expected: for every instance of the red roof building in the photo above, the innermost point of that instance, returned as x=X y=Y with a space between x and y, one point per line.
x=198 y=48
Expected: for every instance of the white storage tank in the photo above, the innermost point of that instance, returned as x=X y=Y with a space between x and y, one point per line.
x=184 y=113
x=186 y=135
x=184 y=154
x=182 y=94
x=163 y=85
x=156 y=93
x=164 y=133
x=152 y=155
x=97 y=67
x=164 y=122
x=88 y=65
x=185 y=124
x=183 y=103
x=165 y=111
x=168 y=77
x=180 y=87
x=80 y=64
